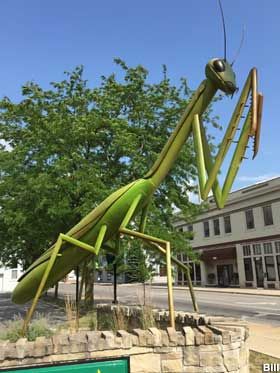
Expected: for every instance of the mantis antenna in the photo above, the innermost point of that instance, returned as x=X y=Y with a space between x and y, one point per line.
x=224 y=28
x=240 y=46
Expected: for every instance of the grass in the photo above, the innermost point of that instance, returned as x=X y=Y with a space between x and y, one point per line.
x=12 y=330
x=257 y=360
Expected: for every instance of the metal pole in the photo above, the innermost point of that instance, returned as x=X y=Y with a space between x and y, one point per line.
x=77 y=286
x=169 y=284
x=115 y=301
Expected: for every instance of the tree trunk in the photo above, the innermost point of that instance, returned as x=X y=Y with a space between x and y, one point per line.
x=89 y=281
x=56 y=290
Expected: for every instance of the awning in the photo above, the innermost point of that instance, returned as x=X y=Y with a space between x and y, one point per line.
x=218 y=254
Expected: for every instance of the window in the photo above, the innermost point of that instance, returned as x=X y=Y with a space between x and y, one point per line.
x=257 y=249
x=277 y=247
x=278 y=264
x=190 y=230
x=192 y=271
x=249 y=215
x=270 y=268
x=227 y=224
x=162 y=270
x=206 y=228
x=248 y=269
x=246 y=250
x=267 y=215
x=197 y=272
x=14 y=274
x=180 y=277
x=267 y=248
x=216 y=225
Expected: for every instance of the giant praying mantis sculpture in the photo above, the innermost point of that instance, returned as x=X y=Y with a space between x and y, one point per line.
x=112 y=217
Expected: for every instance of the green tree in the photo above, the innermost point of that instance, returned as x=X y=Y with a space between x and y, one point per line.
x=68 y=147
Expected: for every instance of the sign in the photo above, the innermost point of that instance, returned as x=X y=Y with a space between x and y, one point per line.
x=100 y=366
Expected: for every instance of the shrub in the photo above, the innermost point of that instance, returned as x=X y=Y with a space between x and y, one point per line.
x=12 y=329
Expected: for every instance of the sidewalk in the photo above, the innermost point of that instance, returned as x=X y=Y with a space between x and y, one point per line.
x=266 y=292
x=264 y=338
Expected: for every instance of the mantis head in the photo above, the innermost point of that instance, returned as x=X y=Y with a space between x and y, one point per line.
x=220 y=72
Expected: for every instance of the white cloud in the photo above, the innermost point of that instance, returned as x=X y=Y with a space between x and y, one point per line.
x=257 y=179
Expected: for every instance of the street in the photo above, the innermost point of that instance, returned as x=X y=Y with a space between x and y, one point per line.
x=252 y=308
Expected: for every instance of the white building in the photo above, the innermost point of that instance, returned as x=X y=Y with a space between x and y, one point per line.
x=240 y=244
x=8 y=278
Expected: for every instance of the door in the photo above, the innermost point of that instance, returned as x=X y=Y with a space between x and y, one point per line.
x=259 y=271
x=223 y=272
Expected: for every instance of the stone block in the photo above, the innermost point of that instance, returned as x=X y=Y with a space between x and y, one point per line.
x=210 y=348
x=141 y=334
x=156 y=336
x=191 y=356
x=243 y=355
x=189 y=335
x=231 y=359
x=109 y=340
x=231 y=346
x=3 y=345
x=172 y=335
x=21 y=347
x=226 y=337
x=175 y=366
x=213 y=360
x=176 y=354
x=198 y=337
x=145 y=363
x=78 y=342
x=42 y=346
x=126 y=338
x=94 y=341
x=208 y=334
x=218 y=339
x=61 y=343
x=164 y=338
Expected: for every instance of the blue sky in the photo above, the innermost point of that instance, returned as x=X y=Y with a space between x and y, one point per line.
x=41 y=39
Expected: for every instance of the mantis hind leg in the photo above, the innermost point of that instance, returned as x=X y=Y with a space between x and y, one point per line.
x=55 y=253
x=184 y=267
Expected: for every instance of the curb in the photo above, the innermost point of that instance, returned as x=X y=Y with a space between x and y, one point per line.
x=219 y=291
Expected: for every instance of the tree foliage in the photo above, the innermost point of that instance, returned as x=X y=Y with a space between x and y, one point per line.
x=68 y=147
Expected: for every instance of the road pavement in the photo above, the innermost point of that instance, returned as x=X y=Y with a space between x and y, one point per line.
x=254 y=308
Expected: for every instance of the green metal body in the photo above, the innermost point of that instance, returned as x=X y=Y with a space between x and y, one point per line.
x=116 y=211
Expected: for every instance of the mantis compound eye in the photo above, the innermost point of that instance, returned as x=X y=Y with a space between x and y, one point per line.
x=219 y=66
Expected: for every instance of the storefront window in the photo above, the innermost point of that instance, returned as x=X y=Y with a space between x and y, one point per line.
x=278 y=264
x=248 y=269
x=277 y=247
x=267 y=248
x=246 y=250
x=257 y=249
x=270 y=268
x=197 y=272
